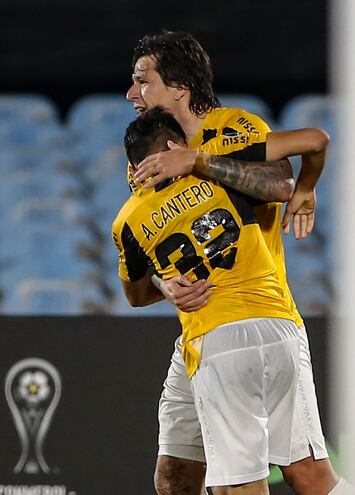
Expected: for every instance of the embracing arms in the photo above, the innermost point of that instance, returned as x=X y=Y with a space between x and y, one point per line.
x=244 y=176
x=186 y=295
x=268 y=181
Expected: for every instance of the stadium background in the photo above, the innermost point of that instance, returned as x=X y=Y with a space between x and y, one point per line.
x=65 y=67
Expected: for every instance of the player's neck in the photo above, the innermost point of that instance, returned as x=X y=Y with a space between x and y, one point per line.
x=190 y=122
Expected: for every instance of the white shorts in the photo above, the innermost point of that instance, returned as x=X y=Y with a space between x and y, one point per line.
x=180 y=433
x=245 y=393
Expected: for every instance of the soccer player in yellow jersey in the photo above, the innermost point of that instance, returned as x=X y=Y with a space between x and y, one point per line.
x=199 y=228
x=172 y=70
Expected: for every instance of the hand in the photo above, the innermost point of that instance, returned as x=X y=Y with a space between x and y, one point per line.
x=186 y=295
x=301 y=207
x=161 y=166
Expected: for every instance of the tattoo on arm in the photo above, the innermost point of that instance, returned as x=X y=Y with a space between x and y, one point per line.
x=268 y=181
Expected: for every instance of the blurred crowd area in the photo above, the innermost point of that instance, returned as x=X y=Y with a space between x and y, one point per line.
x=62 y=184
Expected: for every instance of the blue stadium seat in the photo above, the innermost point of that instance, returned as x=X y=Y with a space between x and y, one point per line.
x=55 y=217
x=45 y=211
x=44 y=259
x=250 y=103
x=309 y=264
x=21 y=186
x=107 y=181
x=28 y=108
x=109 y=197
x=40 y=242
x=22 y=159
x=100 y=121
x=310 y=111
x=108 y=171
x=26 y=119
x=15 y=134
x=60 y=296
x=102 y=116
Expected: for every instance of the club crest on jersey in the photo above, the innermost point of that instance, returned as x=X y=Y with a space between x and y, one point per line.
x=230 y=132
x=232 y=136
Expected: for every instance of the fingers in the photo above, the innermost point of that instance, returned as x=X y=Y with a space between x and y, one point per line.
x=286 y=228
x=304 y=220
x=303 y=225
x=188 y=296
x=154 y=181
x=196 y=305
x=195 y=301
x=310 y=223
x=285 y=224
x=184 y=281
x=300 y=223
x=171 y=163
x=147 y=168
x=154 y=172
x=152 y=167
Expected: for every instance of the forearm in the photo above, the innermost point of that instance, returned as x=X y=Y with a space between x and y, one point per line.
x=268 y=181
x=310 y=143
x=142 y=292
x=311 y=169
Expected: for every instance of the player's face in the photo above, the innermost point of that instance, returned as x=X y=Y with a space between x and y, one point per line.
x=148 y=90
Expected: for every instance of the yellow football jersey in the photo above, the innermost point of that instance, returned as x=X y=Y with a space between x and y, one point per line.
x=198 y=228
x=236 y=133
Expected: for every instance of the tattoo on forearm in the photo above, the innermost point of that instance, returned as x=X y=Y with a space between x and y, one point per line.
x=268 y=181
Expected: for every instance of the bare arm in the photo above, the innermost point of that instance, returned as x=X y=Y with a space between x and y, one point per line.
x=268 y=181
x=187 y=296
x=142 y=292
x=311 y=144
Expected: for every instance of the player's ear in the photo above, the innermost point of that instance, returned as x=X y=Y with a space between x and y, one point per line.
x=180 y=92
x=180 y=143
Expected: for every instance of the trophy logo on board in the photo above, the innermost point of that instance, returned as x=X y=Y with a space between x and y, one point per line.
x=33 y=389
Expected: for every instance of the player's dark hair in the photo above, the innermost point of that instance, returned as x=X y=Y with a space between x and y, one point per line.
x=181 y=62
x=150 y=132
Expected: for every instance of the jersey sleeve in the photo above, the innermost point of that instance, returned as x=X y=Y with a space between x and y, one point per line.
x=233 y=132
x=257 y=128
x=133 y=263
x=254 y=130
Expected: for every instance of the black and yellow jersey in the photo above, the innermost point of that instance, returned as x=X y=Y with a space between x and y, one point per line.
x=236 y=133
x=241 y=135
x=198 y=228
